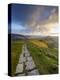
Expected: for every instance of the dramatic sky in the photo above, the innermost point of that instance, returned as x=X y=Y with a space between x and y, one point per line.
x=34 y=20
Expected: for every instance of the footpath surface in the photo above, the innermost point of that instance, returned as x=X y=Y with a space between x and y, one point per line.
x=26 y=65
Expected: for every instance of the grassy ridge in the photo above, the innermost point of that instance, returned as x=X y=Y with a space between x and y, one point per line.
x=16 y=49
x=45 y=58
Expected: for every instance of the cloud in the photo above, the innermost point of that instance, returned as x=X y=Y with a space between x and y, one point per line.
x=47 y=24
x=30 y=19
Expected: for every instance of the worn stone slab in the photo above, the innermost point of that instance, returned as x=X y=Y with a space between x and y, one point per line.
x=33 y=72
x=26 y=62
x=27 y=54
x=30 y=65
x=22 y=59
x=19 y=68
x=29 y=58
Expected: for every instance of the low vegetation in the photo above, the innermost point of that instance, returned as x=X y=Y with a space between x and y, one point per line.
x=16 y=49
x=43 y=52
x=46 y=59
x=39 y=43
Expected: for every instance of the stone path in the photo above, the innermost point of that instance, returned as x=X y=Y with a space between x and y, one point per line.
x=26 y=65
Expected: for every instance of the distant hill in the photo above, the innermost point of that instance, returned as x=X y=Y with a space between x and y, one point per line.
x=52 y=41
x=19 y=36
x=16 y=36
x=35 y=37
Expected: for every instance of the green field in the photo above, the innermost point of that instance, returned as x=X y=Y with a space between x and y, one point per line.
x=46 y=59
x=16 y=49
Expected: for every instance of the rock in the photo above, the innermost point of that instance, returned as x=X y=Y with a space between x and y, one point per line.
x=22 y=59
x=27 y=54
x=26 y=65
x=30 y=65
x=19 y=68
x=33 y=72
x=29 y=58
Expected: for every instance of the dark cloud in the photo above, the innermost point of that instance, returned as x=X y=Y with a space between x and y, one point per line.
x=34 y=18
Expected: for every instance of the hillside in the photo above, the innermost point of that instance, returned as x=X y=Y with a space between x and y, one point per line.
x=16 y=36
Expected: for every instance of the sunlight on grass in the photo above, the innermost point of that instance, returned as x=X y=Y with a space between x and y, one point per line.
x=45 y=59
x=39 y=43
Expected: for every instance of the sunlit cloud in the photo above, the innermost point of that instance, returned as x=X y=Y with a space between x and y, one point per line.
x=35 y=20
x=45 y=27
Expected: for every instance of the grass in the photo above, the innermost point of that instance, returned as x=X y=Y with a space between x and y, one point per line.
x=39 y=43
x=16 y=49
x=45 y=58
